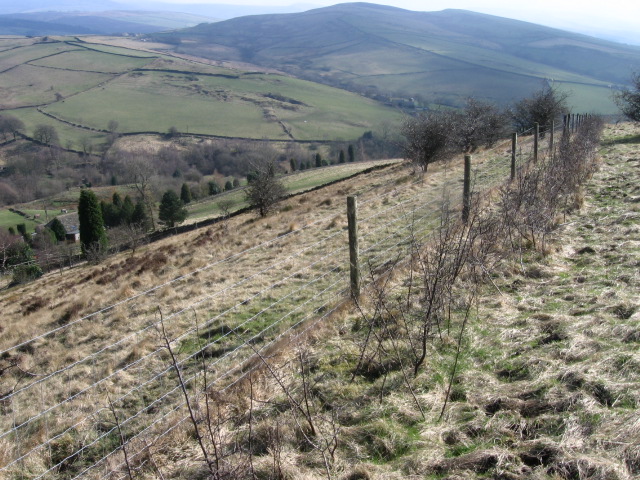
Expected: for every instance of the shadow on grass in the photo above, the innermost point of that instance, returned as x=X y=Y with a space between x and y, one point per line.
x=623 y=140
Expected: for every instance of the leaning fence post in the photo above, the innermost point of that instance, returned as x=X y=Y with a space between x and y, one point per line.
x=514 y=146
x=536 y=135
x=352 y=218
x=466 y=191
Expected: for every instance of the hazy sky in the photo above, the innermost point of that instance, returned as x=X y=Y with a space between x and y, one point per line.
x=619 y=18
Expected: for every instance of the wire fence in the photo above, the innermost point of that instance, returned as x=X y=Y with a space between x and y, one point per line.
x=58 y=424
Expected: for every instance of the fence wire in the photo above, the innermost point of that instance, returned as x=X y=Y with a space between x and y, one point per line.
x=225 y=327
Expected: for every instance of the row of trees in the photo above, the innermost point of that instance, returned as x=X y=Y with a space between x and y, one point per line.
x=439 y=134
x=263 y=192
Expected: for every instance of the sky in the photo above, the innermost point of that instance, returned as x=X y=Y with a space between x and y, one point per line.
x=619 y=19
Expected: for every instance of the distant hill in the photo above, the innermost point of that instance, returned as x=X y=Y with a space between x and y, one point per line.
x=439 y=57
x=98 y=23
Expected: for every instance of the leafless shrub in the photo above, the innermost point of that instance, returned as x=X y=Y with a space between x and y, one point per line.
x=130 y=236
x=480 y=124
x=95 y=253
x=543 y=107
x=428 y=137
x=317 y=426
x=628 y=100
x=213 y=425
x=529 y=205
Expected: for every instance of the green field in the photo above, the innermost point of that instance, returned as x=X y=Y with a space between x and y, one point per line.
x=590 y=98
x=294 y=183
x=84 y=86
x=9 y=219
x=115 y=50
x=94 y=61
x=26 y=53
x=154 y=101
x=70 y=137
x=27 y=85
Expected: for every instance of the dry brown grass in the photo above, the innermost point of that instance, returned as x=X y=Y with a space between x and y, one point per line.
x=521 y=405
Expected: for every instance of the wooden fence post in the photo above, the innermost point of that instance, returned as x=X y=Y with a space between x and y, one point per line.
x=514 y=146
x=553 y=127
x=466 y=191
x=352 y=218
x=536 y=135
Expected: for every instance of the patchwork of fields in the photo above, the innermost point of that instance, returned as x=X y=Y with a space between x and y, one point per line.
x=79 y=88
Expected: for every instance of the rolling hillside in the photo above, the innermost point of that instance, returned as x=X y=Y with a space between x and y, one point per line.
x=441 y=57
x=79 y=87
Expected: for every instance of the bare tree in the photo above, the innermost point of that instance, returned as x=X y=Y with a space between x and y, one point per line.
x=480 y=124
x=142 y=171
x=542 y=107
x=87 y=145
x=129 y=235
x=10 y=125
x=45 y=134
x=225 y=205
x=628 y=100
x=428 y=137
x=265 y=190
x=7 y=242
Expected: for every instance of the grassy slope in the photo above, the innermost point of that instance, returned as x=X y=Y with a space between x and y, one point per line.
x=410 y=53
x=548 y=383
x=548 y=380
x=314 y=247
x=10 y=219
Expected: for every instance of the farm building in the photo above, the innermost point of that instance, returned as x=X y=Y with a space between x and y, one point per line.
x=71 y=225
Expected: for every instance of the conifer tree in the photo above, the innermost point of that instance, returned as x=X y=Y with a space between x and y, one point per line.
x=92 y=233
x=116 y=200
x=185 y=194
x=139 y=214
x=127 y=209
x=351 y=153
x=58 y=229
x=214 y=188
x=265 y=191
x=172 y=209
